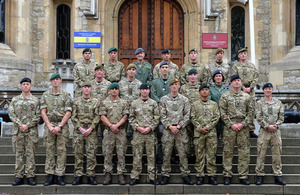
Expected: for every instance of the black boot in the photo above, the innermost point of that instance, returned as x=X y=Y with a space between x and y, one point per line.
x=200 y=181
x=259 y=180
x=164 y=181
x=77 y=181
x=18 y=181
x=253 y=135
x=227 y=180
x=154 y=182
x=60 y=181
x=279 y=181
x=31 y=181
x=92 y=181
x=187 y=180
x=244 y=182
x=212 y=181
x=50 y=180
x=133 y=182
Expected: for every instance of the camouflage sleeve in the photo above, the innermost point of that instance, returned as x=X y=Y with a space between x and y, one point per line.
x=250 y=111
x=163 y=113
x=76 y=76
x=206 y=75
x=155 y=120
x=12 y=115
x=74 y=118
x=123 y=72
x=96 y=119
x=68 y=102
x=125 y=109
x=182 y=75
x=150 y=77
x=156 y=72
x=280 y=115
x=132 y=117
x=260 y=116
x=223 y=104
x=194 y=118
x=233 y=70
x=43 y=102
x=255 y=78
x=102 y=109
x=177 y=73
x=154 y=93
x=36 y=118
x=216 y=116
x=186 y=113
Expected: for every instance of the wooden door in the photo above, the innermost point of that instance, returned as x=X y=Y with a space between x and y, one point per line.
x=153 y=25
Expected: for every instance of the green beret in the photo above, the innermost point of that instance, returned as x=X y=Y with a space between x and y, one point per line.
x=86 y=83
x=86 y=50
x=219 y=50
x=98 y=66
x=195 y=50
x=243 y=50
x=54 y=76
x=131 y=66
x=192 y=71
x=203 y=86
x=172 y=81
x=113 y=49
x=114 y=86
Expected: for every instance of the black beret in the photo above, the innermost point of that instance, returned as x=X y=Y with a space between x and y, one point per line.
x=192 y=71
x=25 y=79
x=165 y=51
x=145 y=86
x=234 y=77
x=86 y=50
x=267 y=85
x=203 y=86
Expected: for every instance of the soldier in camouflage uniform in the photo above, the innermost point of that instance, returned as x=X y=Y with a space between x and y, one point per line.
x=249 y=75
x=203 y=71
x=143 y=117
x=205 y=116
x=85 y=117
x=175 y=114
x=191 y=91
x=24 y=112
x=270 y=115
x=83 y=71
x=174 y=70
x=129 y=90
x=56 y=109
x=220 y=65
x=114 y=69
x=236 y=109
x=144 y=69
x=114 y=113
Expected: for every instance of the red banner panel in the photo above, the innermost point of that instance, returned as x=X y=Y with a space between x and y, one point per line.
x=214 y=40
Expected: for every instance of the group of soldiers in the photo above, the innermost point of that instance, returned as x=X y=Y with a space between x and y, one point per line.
x=187 y=109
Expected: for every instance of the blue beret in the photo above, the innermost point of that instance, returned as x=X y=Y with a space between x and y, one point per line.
x=267 y=85
x=192 y=71
x=203 y=86
x=114 y=86
x=165 y=51
x=86 y=50
x=234 y=77
x=139 y=50
x=163 y=63
x=145 y=86
x=54 y=76
x=113 y=49
x=218 y=72
x=25 y=79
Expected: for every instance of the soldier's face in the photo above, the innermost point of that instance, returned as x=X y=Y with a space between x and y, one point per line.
x=99 y=73
x=164 y=69
x=140 y=56
x=175 y=87
x=220 y=56
x=26 y=86
x=193 y=56
x=113 y=55
x=243 y=55
x=268 y=91
x=145 y=92
x=56 y=82
x=131 y=72
x=204 y=92
x=193 y=77
x=87 y=55
x=218 y=78
x=237 y=83
x=86 y=90
x=166 y=56
x=114 y=92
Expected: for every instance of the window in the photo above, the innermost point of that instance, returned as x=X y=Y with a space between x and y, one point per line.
x=63 y=32
x=237 y=31
x=2 y=21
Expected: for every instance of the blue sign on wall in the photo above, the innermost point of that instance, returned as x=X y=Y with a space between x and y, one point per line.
x=87 y=39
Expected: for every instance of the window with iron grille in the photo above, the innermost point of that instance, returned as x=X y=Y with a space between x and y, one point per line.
x=237 y=31
x=63 y=32
x=2 y=21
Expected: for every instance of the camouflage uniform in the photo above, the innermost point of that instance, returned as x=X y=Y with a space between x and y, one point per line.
x=175 y=111
x=144 y=72
x=236 y=108
x=269 y=114
x=129 y=91
x=160 y=88
x=143 y=114
x=205 y=114
x=83 y=72
x=174 y=71
x=226 y=70
x=202 y=70
x=25 y=111
x=85 y=115
x=100 y=90
x=56 y=105
x=114 y=72
x=114 y=111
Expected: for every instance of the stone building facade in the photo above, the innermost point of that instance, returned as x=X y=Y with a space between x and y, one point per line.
x=30 y=41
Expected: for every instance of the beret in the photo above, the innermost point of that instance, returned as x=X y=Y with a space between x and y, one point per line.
x=86 y=83
x=172 y=81
x=114 y=86
x=267 y=85
x=192 y=71
x=218 y=72
x=113 y=49
x=139 y=50
x=195 y=50
x=234 y=77
x=98 y=66
x=130 y=66
x=243 y=50
x=54 y=76
x=219 y=50
x=203 y=86
x=86 y=50
x=25 y=79
x=145 y=86
x=165 y=51
x=163 y=63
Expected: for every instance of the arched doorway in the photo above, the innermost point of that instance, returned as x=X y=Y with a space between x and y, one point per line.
x=152 y=25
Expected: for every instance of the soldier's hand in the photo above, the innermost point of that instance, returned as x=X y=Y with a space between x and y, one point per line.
x=240 y=126
x=24 y=128
x=174 y=130
x=56 y=130
x=235 y=127
x=87 y=132
x=247 y=89
x=271 y=128
x=147 y=130
x=178 y=126
x=113 y=128
x=204 y=130
x=141 y=129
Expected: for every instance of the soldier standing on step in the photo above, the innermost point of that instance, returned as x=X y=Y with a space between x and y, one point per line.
x=114 y=69
x=24 y=111
x=174 y=70
x=56 y=109
x=85 y=117
x=143 y=68
x=114 y=113
x=270 y=115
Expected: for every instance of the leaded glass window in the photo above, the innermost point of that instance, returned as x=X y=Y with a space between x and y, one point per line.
x=63 y=32
x=237 y=31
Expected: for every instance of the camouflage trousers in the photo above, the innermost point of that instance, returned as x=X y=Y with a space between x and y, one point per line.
x=180 y=140
x=56 y=144
x=138 y=142
x=251 y=124
x=243 y=145
x=206 y=146
x=90 y=144
x=110 y=140
x=25 y=145
x=273 y=139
